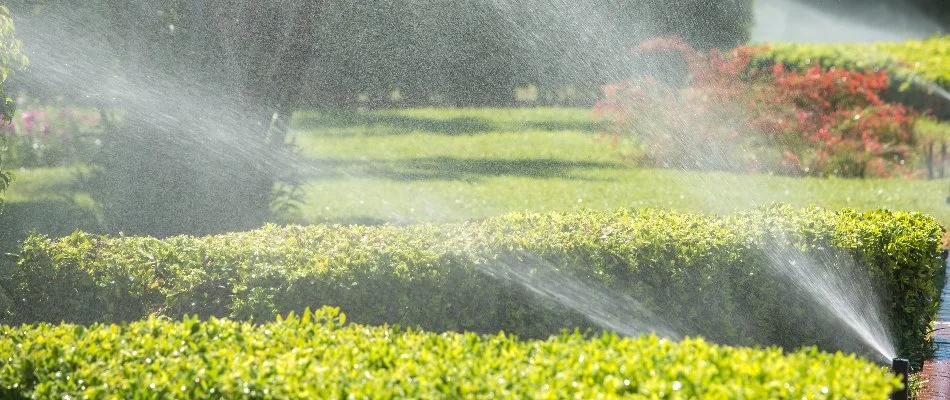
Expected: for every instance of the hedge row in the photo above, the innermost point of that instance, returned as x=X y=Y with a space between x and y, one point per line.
x=320 y=357
x=927 y=59
x=693 y=274
x=914 y=66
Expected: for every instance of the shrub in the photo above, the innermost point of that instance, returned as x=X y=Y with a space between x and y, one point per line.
x=11 y=60
x=923 y=59
x=919 y=70
x=698 y=275
x=735 y=116
x=319 y=356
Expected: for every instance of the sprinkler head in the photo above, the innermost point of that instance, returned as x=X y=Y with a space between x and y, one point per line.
x=901 y=367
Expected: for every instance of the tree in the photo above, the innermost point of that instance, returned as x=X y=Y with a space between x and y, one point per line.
x=11 y=59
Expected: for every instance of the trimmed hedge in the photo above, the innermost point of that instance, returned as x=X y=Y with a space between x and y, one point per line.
x=928 y=59
x=318 y=356
x=699 y=275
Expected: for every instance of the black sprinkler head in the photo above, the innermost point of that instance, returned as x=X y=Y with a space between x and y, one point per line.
x=901 y=367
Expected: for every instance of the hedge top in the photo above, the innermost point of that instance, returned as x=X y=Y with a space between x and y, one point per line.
x=319 y=356
x=924 y=61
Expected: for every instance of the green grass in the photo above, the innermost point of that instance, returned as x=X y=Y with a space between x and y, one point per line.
x=383 y=171
x=441 y=164
x=381 y=199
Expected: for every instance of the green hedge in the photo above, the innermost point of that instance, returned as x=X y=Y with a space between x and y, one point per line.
x=698 y=275
x=927 y=59
x=319 y=356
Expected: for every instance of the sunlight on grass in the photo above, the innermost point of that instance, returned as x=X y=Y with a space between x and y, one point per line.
x=374 y=200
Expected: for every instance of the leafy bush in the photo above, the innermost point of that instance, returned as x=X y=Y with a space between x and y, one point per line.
x=10 y=60
x=735 y=116
x=714 y=277
x=928 y=59
x=319 y=356
x=919 y=69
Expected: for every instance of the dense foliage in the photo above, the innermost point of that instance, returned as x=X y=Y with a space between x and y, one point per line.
x=715 y=277
x=924 y=59
x=919 y=70
x=11 y=60
x=733 y=115
x=320 y=356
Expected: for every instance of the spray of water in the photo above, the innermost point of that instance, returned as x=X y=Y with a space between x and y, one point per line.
x=840 y=290
x=607 y=308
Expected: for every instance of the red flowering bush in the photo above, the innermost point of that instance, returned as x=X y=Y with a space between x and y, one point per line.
x=736 y=116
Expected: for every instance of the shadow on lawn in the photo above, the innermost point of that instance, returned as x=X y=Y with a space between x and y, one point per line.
x=451 y=169
x=401 y=125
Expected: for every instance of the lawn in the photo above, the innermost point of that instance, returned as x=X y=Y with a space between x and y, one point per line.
x=413 y=165
x=450 y=164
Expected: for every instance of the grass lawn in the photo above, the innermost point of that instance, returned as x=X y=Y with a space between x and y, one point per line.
x=415 y=165
x=450 y=164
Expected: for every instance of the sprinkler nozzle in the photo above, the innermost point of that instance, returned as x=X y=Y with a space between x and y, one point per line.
x=901 y=367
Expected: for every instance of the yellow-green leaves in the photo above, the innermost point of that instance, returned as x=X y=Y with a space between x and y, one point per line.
x=926 y=60
x=11 y=59
x=317 y=355
x=708 y=276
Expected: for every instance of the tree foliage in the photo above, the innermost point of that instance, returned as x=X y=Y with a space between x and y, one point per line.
x=11 y=59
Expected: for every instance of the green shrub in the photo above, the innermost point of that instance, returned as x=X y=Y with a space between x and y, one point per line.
x=927 y=59
x=319 y=356
x=11 y=60
x=697 y=275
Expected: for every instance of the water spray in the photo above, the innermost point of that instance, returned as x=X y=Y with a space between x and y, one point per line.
x=901 y=367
